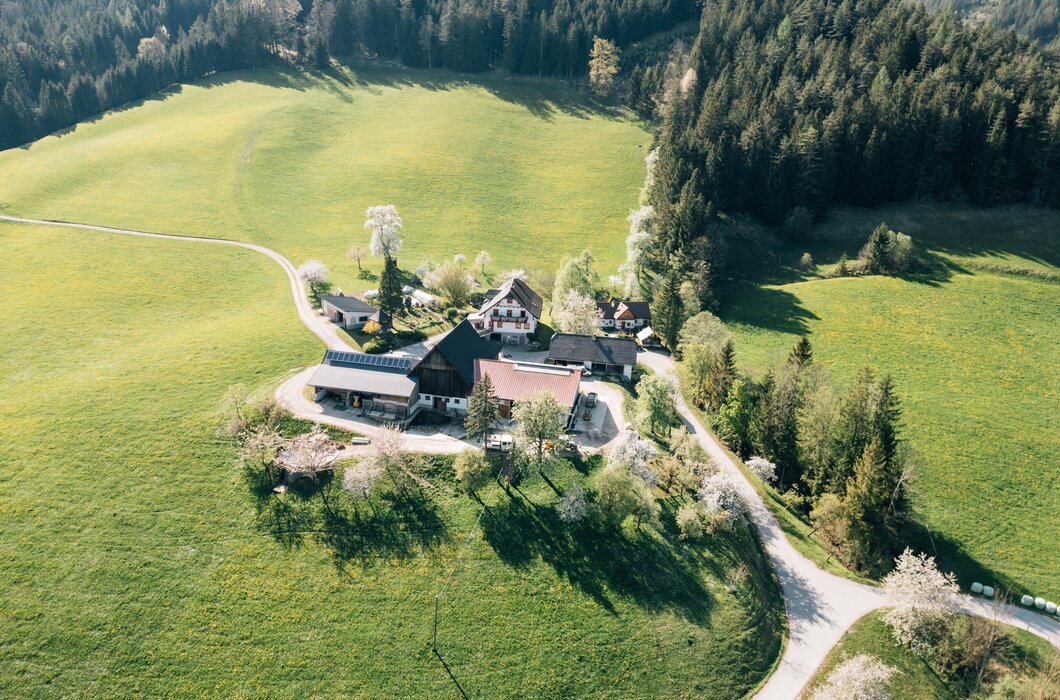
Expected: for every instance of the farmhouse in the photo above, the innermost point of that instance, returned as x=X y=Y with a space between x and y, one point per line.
x=516 y=381
x=447 y=372
x=379 y=385
x=623 y=315
x=509 y=314
x=351 y=312
x=597 y=353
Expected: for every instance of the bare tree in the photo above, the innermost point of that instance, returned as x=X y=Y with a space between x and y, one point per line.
x=357 y=253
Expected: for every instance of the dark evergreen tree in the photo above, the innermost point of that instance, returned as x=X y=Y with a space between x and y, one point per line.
x=802 y=354
x=390 y=288
x=667 y=313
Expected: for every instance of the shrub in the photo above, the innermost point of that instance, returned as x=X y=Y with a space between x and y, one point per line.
x=798 y=223
x=377 y=345
x=451 y=313
x=806 y=261
x=691 y=522
x=409 y=337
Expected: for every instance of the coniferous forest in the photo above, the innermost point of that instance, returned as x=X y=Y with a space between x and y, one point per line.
x=61 y=62
x=779 y=107
x=787 y=106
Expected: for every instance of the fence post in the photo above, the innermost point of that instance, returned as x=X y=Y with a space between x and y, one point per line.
x=434 y=643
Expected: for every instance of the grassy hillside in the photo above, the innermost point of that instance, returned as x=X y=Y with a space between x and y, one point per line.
x=529 y=170
x=139 y=561
x=974 y=355
x=915 y=678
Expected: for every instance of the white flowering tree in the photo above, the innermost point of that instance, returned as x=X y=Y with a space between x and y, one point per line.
x=518 y=273
x=482 y=260
x=572 y=506
x=861 y=677
x=385 y=224
x=614 y=282
x=634 y=453
x=720 y=497
x=578 y=314
x=314 y=274
x=359 y=479
x=763 y=469
x=637 y=243
x=919 y=597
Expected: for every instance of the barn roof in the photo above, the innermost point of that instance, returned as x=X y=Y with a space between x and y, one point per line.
x=516 y=381
x=462 y=346
x=568 y=347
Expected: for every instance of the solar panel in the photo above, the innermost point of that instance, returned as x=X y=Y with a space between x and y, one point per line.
x=365 y=360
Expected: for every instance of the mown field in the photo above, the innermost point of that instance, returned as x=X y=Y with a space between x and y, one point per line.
x=140 y=560
x=1027 y=655
x=529 y=170
x=972 y=342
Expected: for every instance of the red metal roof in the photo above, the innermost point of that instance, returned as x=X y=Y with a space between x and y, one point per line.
x=515 y=381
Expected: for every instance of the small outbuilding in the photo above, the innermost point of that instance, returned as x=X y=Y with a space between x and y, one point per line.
x=597 y=353
x=350 y=312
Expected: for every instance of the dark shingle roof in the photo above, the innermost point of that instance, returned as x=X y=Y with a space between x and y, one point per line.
x=462 y=346
x=348 y=303
x=518 y=290
x=610 y=309
x=593 y=348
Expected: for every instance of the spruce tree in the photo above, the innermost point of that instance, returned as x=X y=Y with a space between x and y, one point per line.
x=721 y=376
x=870 y=528
x=390 y=287
x=802 y=354
x=482 y=410
x=666 y=311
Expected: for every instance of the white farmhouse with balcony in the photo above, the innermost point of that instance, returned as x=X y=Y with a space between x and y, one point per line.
x=509 y=314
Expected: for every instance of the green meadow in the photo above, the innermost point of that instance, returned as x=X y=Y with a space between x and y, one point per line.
x=1025 y=656
x=972 y=342
x=139 y=559
x=529 y=170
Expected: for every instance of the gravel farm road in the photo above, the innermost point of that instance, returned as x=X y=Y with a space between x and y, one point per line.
x=820 y=606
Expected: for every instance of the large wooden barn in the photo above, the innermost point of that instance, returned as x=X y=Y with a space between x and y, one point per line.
x=447 y=372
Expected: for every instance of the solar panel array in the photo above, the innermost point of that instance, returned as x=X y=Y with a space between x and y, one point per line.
x=359 y=358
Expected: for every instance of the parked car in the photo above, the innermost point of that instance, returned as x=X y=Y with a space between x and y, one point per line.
x=590 y=399
x=586 y=372
x=500 y=443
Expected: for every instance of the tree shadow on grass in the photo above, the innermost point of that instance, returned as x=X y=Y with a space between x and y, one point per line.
x=952 y=556
x=394 y=525
x=543 y=98
x=769 y=308
x=602 y=562
x=285 y=520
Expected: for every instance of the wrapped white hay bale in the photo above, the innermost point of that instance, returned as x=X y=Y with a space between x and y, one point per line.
x=1039 y=603
x=1050 y=607
x=1027 y=600
x=988 y=591
x=977 y=587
